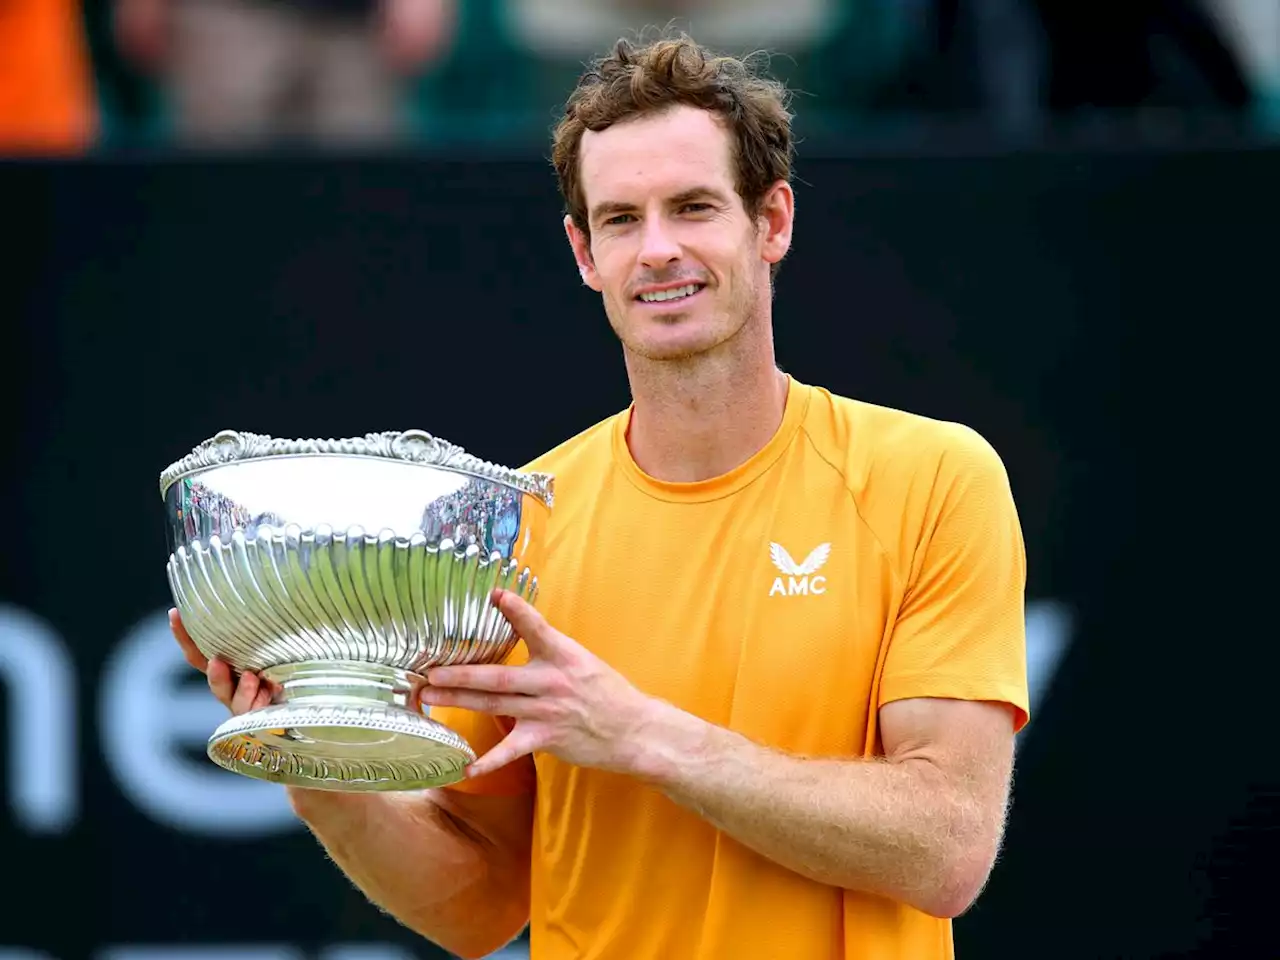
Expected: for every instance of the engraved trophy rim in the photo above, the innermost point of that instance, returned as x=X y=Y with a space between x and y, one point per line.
x=343 y=620
x=257 y=744
x=416 y=447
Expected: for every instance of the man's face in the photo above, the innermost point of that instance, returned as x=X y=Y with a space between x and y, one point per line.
x=680 y=265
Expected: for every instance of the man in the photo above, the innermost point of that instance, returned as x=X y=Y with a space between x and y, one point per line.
x=767 y=706
x=252 y=73
x=574 y=29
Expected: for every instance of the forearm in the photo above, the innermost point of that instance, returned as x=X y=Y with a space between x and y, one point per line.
x=895 y=829
x=424 y=866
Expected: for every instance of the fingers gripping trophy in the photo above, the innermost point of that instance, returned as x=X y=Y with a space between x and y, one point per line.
x=340 y=571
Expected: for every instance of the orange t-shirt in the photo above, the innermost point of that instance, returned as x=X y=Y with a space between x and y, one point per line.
x=864 y=555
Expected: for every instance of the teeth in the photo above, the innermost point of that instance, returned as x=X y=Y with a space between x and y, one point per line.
x=685 y=291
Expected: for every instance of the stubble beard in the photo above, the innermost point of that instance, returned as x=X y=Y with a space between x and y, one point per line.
x=734 y=320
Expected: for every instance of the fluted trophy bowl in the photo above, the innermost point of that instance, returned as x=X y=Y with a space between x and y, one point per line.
x=341 y=570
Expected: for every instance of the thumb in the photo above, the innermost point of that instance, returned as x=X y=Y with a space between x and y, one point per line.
x=518 y=743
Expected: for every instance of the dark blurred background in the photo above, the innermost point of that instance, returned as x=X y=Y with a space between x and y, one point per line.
x=1054 y=220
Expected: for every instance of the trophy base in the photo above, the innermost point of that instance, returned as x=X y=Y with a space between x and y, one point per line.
x=342 y=726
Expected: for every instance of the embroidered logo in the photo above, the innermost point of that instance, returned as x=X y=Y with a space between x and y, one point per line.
x=798 y=578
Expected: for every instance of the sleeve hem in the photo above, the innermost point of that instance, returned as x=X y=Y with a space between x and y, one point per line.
x=959 y=688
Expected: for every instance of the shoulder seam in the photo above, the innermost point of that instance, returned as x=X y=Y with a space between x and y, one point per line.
x=844 y=482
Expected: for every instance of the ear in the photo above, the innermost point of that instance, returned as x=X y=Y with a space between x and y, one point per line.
x=777 y=215
x=581 y=245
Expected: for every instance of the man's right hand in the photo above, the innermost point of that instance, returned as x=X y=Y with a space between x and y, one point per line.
x=250 y=693
x=452 y=866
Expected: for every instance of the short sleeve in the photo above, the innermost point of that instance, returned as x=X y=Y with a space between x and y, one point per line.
x=961 y=629
x=483 y=732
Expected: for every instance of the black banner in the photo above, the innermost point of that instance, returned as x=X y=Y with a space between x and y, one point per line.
x=1066 y=306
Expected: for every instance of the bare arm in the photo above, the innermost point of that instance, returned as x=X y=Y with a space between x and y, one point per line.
x=921 y=825
x=453 y=867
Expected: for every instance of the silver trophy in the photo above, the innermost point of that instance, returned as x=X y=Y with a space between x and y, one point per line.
x=341 y=570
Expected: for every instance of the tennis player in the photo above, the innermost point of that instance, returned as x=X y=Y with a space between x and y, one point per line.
x=766 y=707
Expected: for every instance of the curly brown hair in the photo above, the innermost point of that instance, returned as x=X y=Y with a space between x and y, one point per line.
x=638 y=79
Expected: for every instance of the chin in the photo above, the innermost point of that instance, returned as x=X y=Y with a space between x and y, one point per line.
x=676 y=345
x=667 y=354
x=669 y=334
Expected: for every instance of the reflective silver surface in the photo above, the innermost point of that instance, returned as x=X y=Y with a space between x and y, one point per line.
x=342 y=569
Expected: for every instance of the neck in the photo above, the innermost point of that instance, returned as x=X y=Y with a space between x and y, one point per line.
x=699 y=418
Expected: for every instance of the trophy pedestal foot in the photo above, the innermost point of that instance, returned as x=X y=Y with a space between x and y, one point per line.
x=342 y=726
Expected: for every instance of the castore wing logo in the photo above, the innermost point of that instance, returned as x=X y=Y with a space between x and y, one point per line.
x=798 y=578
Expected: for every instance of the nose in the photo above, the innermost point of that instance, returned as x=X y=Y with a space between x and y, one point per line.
x=658 y=248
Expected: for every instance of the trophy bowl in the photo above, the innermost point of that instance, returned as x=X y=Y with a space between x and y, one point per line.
x=341 y=570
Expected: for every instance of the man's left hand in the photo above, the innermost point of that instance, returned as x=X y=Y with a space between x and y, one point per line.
x=565 y=700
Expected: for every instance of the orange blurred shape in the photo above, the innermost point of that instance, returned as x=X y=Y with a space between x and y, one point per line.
x=47 y=103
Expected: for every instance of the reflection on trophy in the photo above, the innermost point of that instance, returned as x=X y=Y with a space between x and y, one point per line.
x=341 y=570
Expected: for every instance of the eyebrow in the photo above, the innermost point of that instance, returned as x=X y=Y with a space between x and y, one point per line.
x=613 y=207
x=698 y=193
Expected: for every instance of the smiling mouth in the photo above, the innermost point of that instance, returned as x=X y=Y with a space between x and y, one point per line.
x=676 y=293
